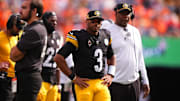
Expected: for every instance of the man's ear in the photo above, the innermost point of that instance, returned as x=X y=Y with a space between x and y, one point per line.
x=34 y=12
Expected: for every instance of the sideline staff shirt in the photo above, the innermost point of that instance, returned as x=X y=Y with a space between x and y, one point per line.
x=32 y=43
x=127 y=47
x=7 y=42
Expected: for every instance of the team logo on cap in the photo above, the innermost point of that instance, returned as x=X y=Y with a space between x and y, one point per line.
x=97 y=13
x=125 y=5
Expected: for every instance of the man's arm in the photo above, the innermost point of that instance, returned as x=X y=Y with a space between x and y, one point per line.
x=111 y=71
x=142 y=69
x=61 y=63
x=16 y=54
x=111 y=61
x=58 y=79
x=4 y=66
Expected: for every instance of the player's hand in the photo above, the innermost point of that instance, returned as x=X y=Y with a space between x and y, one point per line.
x=81 y=82
x=4 y=66
x=107 y=79
x=146 y=90
x=59 y=88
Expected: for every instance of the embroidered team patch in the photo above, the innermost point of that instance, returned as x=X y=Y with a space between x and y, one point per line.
x=89 y=43
x=106 y=41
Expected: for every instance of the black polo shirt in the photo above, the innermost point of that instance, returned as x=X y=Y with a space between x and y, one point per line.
x=32 y=44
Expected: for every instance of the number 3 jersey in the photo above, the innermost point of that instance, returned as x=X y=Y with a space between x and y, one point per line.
x=89 y=52
x=49 y=66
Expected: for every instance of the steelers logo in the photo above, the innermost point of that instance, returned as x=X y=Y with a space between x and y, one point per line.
x=106 y=42
x=97 y=13
x=125 y=5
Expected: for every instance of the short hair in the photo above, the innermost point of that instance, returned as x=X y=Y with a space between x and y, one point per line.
x=39 y=5
x=47 y=15
x=50 y=28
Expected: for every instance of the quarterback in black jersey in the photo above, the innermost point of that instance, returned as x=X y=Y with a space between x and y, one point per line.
x=90 y=48
x=50 y=74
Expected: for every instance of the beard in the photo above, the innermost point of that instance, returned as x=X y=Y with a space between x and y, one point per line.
x=28 y=17
x=50 y=28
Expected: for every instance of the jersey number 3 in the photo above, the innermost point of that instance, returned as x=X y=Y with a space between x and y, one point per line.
x=99 y=54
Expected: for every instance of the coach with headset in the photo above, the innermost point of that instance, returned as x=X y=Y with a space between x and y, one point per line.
x=127 y=46
x=8 y=39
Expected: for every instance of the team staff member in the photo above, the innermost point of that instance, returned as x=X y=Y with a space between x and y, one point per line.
x=29 y=51
x=90 y=48
x=8 y=39
x=127 y=45
x=50 y=72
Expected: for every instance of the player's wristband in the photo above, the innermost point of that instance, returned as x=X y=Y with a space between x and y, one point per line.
x=59 y=86
x=111 y=70
x=72 y=76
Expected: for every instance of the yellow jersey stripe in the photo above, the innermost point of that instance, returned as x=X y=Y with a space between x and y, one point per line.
x=110 y=41
x=72 y=39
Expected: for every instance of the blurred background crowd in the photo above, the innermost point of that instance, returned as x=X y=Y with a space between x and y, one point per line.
x=153 y=17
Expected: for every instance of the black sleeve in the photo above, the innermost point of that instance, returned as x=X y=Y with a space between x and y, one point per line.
x=110 y=52
x=67 y=49
x=29 y=40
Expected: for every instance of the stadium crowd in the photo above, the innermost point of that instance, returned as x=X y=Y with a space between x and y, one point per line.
x=153 y=17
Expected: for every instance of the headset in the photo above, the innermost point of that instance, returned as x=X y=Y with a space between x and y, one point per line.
x=132 y=12
x=14 y=20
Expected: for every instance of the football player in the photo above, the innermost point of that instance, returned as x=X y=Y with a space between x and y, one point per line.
x=90 y=48
x=50 y=74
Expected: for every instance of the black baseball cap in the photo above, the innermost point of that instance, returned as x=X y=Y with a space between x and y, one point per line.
x=123 y=6
x=95 y=14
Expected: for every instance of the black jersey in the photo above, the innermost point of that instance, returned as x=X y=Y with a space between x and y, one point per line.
x=49 y=66
x=33 y=44
x=89 y=52
x=53 y=44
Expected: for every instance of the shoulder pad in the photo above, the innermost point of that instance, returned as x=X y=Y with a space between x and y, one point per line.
x=72 y=32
